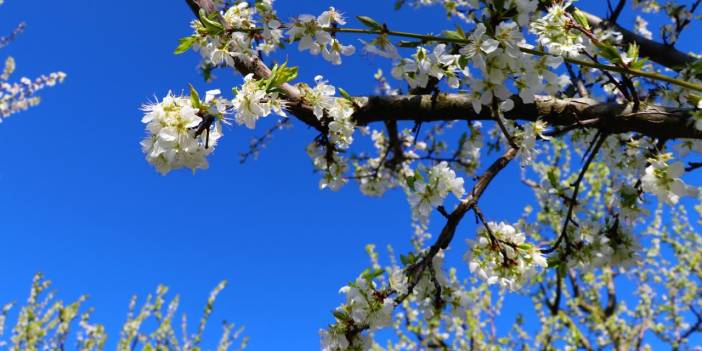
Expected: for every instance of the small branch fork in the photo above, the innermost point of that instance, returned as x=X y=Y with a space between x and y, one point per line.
x=454 y=218
x=594 y=148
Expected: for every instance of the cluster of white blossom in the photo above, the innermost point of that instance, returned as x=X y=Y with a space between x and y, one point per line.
x=423 y=65
x=313 y=35
x=171 y=124
x=332 y=165
x=662 y=179
x=479 y=46
x=554 y=31
x=373 y=177
x=648 y=6
x=335 y=111
x=470 y=146
x=424 y=195
x=232 y=35
x=597 y=246
x=254 y=101
x=225 y=48
x=502 y=256
x=528 y=136
x=367 y=306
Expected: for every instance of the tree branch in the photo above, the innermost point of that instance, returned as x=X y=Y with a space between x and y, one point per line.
x=651 y=120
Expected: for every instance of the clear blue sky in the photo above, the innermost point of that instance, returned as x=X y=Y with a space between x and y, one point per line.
x=79 y=203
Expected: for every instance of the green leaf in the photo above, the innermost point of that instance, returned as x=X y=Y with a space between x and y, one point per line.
x=552 y=177
x=213 y=27
x=410 y=182
x=554 y=262
x=638 y=64
x=525 y=247
x=462 y=61
x=633 y=51
x=194 y=97
x=696 y=66
x=463 y=139
x=345 y=94
x=184 y=44
x=609 y=52
x=206 y=70
x=460 y=31
x=369 y=22
x=340 y=315
x=280 y=74
x=581 y=19
x=453 y=35
x=408 y=259
x=377 y=273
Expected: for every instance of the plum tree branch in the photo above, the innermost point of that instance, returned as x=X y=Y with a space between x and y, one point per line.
x=651 y=120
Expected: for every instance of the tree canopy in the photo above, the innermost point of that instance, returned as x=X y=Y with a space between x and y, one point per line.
x=603 y=121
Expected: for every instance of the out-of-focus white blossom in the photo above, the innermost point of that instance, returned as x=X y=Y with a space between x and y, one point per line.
x=662 y=179
x=504 y=258
x=641 y=27
x=332 y=166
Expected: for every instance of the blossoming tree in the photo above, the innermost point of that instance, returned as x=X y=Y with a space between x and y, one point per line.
x=602 y=120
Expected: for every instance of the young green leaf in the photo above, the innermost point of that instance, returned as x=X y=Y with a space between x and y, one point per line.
x=580 y=17
x=184 y=44
x=369 y=22
x=345 y=94
x=194 y=97
x=213 y=27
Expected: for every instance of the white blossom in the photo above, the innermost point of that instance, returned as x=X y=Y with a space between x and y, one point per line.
x=553 y=33
x=504 y=257
x=430 y=193
x=641 y=27
x=332 y=166
x=172 y=142
x=253 y=102
x=479 y=46
x=662 y=179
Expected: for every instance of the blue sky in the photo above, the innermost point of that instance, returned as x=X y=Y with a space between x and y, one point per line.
x=80 y=204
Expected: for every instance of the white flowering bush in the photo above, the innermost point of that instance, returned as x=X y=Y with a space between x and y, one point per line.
x=605 y=122
x=46 y=323
x=21 y=95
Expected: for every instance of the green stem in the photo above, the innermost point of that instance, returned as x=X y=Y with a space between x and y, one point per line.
x=633 y=72
x=600 y=66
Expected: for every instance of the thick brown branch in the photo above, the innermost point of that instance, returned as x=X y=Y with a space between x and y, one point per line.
x=651 y=120
x=654 y=121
